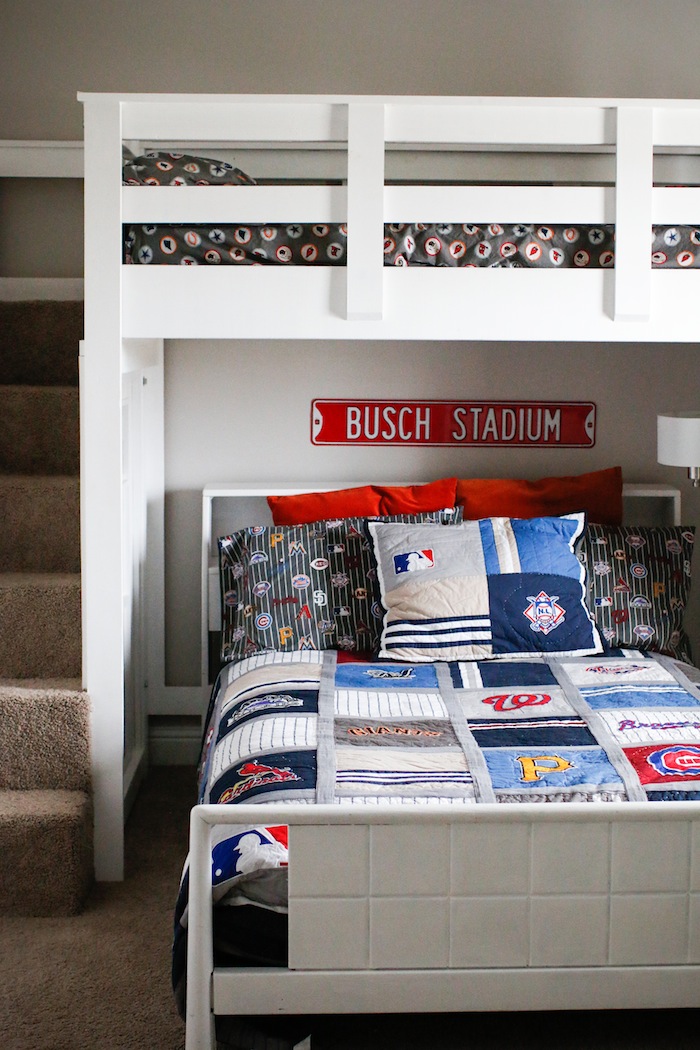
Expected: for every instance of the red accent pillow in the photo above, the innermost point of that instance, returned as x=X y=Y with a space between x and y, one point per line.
x=362 y=502
x=598 y=493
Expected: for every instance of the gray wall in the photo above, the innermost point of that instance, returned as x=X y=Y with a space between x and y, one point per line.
x=240 y=411
x=49 y=49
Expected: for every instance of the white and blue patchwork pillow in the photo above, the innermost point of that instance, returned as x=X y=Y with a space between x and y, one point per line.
x=498 y=587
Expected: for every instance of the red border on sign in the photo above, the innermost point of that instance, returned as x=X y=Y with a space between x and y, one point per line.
x=482 y=424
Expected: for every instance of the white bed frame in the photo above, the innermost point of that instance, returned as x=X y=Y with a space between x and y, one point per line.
x=527 y=907
x=389 y=159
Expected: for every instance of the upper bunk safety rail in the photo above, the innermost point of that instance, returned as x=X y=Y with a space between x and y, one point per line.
x=367 y=129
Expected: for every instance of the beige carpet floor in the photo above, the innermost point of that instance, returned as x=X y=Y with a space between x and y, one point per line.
x=101 y=980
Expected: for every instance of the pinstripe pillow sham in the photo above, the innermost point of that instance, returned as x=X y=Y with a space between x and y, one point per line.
x=638 y=584
x=287 y=587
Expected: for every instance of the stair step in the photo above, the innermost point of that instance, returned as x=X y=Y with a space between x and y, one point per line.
x=41 y=430
x=46 y=866
x=41 y=625
x=44 y=737
x=39 y=342
x=41 y=523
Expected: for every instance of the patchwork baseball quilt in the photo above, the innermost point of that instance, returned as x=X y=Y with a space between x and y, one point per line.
x=317 y=727
x=323 y=726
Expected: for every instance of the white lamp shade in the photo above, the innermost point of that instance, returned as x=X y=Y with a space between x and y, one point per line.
x=678 y=439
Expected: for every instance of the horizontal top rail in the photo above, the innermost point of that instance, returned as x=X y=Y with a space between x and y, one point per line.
x=491 y=812
x=529 y=101
x=488 y=120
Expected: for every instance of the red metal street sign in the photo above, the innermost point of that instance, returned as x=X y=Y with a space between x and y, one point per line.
x=560 y=424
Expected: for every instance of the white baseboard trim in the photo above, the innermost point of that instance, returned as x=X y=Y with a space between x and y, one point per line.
x=174 y=746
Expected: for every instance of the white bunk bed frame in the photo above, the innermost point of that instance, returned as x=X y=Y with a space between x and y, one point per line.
x=605 y=156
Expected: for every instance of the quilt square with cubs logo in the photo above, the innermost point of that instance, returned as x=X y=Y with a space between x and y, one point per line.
x=666 y=766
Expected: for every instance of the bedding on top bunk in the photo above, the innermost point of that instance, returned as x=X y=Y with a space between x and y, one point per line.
x=445 y=244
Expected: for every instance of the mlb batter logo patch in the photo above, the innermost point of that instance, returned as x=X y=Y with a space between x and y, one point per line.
x=413 y=561
x=544 y=612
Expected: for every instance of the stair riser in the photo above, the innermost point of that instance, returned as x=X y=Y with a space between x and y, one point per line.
x=44 y=739
x=41 y=524
x=46 y=866
x=41 y=630
x=41 y=430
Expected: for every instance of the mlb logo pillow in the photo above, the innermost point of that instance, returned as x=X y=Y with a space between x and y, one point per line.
x=495 y=588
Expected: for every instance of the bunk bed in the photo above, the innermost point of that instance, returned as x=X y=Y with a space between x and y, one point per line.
x=371 y=170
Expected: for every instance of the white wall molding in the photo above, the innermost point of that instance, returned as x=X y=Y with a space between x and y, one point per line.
x=17 y=289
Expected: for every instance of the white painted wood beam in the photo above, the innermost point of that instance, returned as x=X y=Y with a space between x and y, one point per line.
x=365 y=264
x=633 y=208
x=101 y=481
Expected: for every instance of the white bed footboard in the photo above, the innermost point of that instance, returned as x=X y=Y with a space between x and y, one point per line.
x=444 y=908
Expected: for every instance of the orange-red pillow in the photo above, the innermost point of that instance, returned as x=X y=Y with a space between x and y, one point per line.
x=598 y=493
x=362 y=502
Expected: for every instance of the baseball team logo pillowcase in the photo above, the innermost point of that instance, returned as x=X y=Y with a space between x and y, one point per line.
x=494 y=588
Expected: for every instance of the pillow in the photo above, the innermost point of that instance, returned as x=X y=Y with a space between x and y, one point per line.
x=599 y=494
x=638 y=583
x=499 y=587
x=180 y=169
x=363 y=501
x=302 y=587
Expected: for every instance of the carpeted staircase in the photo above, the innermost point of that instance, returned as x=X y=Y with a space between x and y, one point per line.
x=45 y=796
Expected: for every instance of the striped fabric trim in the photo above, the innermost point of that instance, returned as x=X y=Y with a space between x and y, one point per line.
x=406 y=800
x=325 y=766
x=433 y=634
x=387 y=776
x=476 y=760
x=499 y=548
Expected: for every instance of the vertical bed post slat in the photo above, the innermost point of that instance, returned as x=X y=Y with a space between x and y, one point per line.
x=200 y=942
x=633 y=212
x=101 y=480
x=365 y=288
x=206 y=548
